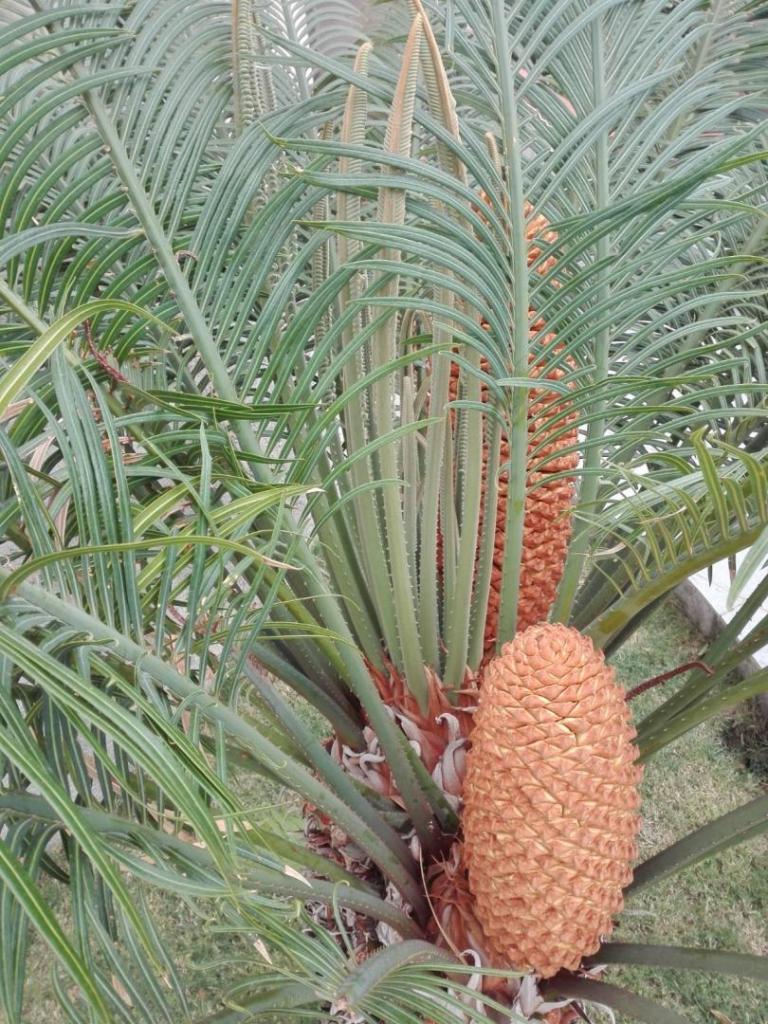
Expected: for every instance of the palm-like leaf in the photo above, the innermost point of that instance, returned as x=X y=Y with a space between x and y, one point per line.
x=236 y=269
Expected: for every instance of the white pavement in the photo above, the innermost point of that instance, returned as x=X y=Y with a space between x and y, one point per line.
x=715 y=595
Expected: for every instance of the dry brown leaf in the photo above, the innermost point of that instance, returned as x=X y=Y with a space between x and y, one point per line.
x=293 y=873
x=119 y=988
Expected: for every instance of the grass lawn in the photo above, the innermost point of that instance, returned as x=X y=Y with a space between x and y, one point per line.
x=722 y=903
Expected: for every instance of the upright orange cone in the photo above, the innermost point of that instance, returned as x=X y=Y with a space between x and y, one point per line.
x=550 y=801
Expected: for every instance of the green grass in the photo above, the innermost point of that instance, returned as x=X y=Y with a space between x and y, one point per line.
x=721 y=903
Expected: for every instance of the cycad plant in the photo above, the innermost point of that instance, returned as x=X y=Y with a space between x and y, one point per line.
x=366 y=364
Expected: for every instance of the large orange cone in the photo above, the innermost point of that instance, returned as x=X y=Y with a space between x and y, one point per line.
x=550 y=801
